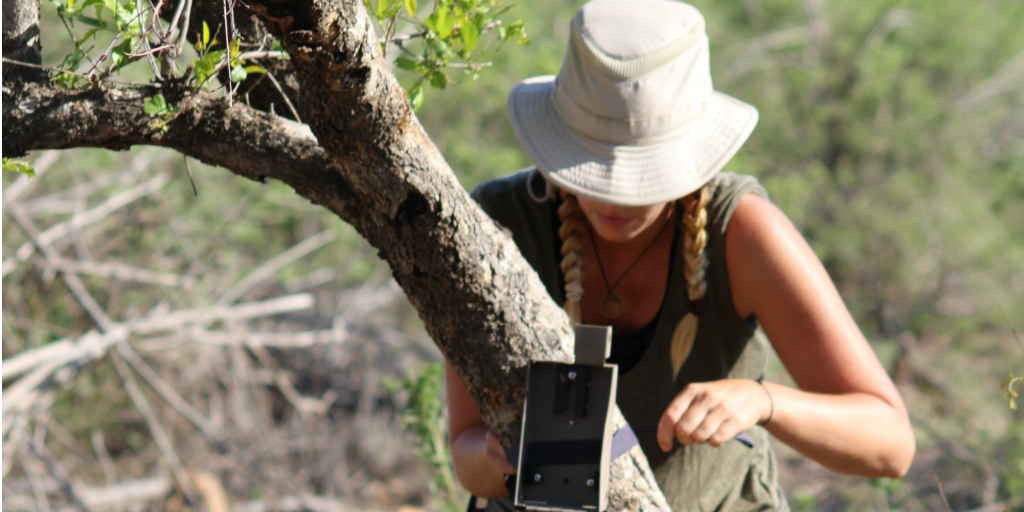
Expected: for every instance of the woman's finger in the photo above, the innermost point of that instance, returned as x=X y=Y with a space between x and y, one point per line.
x=703 y=403
x=726 y=431
x=675 y=410
x=710 y=425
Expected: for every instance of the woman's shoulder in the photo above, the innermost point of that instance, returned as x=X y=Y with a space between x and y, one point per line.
x=726 y=190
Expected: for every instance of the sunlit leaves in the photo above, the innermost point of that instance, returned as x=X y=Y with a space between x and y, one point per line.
x=469 y=32
x=455 y=34
x=1011 y=394
x=388 y=8
x=19 y=166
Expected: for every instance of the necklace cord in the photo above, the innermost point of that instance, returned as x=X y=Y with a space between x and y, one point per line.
x=637 y=260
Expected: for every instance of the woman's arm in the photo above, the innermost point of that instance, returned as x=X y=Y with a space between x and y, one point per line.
x=847 y=414
x=478 y=457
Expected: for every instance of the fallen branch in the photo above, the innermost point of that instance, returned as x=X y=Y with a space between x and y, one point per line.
x=118 y=271
x=127 y=493
x=167 y=392
x=58 y=473
x=93 y=345
x=74 y=283
x=84 y=219
x=300 y=503
x=163 y=443
x=274 y=264
x=243 y=311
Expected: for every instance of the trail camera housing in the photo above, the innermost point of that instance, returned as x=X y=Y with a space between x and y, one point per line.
x=565 y=449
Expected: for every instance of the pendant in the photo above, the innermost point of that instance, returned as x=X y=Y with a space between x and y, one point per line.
x=611 y=305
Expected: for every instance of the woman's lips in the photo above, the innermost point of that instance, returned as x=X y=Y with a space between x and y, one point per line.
x=613 y=221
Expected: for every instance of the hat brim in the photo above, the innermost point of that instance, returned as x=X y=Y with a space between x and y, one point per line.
x=627 y=174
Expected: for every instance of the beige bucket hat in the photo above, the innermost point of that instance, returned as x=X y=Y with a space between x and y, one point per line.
x=631 y=118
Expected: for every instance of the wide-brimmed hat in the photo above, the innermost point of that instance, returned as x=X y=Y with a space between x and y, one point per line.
x=632 y=118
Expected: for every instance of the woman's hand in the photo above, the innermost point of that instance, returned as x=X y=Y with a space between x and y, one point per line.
x=713 y=412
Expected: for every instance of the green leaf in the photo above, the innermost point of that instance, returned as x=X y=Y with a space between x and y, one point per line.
x=445 y=26
x=238 y=73
x=155 y=105
x=388 y=8
x=1013 y=405
x=416 y=96
x=118 y=54
x=254 y=68
x=382 y=8
x=469 y=32
x=468 y=5
x=19 y=166
x=85 y=20
x=203 y=68
x=438 y=80
x=407 y=64
x=410 y=5
x=206 y=35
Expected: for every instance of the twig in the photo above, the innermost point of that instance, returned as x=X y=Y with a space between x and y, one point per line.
x=90 y=346
x=190 y=180
x=149 y=53
x=100 y=448
x=275 y=264
x=145 y=44
x=284 y=96
x=302 y=502
x=58 y=473
x=10 y=447
x=159 y=436
x=167 y=392
x=269 y=54
x=1014 y=329
x=242 y=311
x=25 y=361
x=74 y=283
x=183 y=30
x=47 y=359
x=290 y=340
x=127 y=493
x=942 y=493
x=85 y=218
x=35 y=482
x=118 y=271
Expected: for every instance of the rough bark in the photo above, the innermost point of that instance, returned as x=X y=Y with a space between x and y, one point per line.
x=21 y=42
x=372 y=164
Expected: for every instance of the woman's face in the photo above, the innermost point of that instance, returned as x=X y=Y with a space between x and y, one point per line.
x=619 y=224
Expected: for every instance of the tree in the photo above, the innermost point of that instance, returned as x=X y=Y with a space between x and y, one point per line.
x=364 y=156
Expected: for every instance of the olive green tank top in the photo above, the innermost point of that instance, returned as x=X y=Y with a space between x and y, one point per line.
x=696 y=478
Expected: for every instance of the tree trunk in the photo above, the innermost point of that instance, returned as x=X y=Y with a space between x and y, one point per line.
x=21 y=43
x=372 y=164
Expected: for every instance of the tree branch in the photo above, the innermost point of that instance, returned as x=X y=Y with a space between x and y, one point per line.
x=483 y=305
x=250 y=143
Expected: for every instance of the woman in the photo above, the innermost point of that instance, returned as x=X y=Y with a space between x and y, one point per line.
x=629 y=223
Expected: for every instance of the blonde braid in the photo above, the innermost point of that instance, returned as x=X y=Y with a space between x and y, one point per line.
x=570 y=232
x=695 y=218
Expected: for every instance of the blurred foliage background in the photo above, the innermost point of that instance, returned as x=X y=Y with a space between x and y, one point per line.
x=891 y=133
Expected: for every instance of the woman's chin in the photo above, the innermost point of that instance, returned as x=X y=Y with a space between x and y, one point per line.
x=616 y=234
